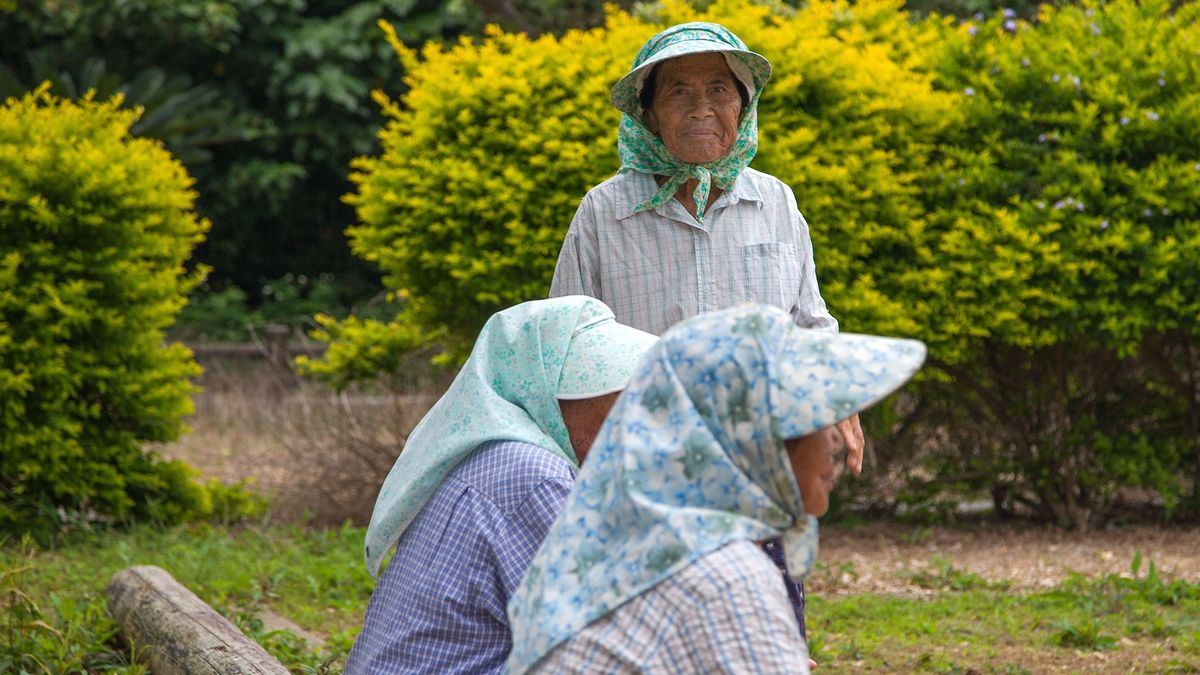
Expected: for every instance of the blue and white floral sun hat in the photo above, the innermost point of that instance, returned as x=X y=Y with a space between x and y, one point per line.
x=525 y=359
x=692 y=457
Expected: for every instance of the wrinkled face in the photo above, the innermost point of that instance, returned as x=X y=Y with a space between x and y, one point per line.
x=696 y=108
x=583 y=418
x=816 y=463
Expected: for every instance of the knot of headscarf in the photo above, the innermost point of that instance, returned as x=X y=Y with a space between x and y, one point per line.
x=642 y=150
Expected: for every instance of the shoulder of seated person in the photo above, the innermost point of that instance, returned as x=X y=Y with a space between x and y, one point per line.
x=739 y=563
x=506 y=472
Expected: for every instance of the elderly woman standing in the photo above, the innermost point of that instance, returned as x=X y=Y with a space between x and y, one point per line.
x=687 y=226
x=724 y=437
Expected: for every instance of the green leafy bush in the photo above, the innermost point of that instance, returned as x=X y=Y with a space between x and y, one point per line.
x=487 y=156
x=1060 y=255
x=1021 y=195
x=94 y=229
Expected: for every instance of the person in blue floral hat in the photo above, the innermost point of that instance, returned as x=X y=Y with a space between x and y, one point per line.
x=481 y=478
x=726 y=436
x=687 y=226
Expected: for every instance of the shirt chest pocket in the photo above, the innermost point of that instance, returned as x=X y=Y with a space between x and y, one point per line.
x=771 y=274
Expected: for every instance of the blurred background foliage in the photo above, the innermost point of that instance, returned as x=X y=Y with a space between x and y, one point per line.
x=1014 y=183
x=266 y=102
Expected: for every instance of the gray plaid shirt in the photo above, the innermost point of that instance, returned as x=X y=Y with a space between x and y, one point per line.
x=658 y=267
x=724 y=613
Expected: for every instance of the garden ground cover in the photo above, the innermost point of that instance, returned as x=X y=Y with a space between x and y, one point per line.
x=930 y=613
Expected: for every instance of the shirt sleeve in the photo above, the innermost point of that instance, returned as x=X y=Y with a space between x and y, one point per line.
x=578 y=269
x=522 y=533
x=810 y=310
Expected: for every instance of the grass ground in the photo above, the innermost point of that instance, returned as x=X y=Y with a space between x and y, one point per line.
x=885 y=597
x=941 y=619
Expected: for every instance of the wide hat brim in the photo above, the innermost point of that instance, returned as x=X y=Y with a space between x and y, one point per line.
x=826 y=377
x=601 y=359
x=625 y=91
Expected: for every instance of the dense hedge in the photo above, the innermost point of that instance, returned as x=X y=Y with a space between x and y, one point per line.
x=1062 y=280
x=1021 y=195
x=94 y=230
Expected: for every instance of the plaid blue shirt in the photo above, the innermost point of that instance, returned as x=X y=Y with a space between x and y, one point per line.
x=440 y=606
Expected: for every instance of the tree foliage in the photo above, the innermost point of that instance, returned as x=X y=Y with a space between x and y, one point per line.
x=1019 y=194
x=265 y=101
x=94 y=229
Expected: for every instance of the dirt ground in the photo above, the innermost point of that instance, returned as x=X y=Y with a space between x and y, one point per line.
x=296 y=441
x=877 y=558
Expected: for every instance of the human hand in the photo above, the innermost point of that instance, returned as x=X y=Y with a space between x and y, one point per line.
x=812 y=665
x=852 y=433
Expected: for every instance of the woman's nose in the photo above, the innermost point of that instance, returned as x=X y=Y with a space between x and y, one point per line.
x=700 y=106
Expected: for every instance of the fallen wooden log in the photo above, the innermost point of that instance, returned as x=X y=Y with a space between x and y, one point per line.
x=177 y=632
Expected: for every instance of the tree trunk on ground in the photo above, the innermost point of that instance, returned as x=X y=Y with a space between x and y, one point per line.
x=176 y=632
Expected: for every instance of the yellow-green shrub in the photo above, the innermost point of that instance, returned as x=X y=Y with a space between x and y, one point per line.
x=94 y=229
x=489 y=153
x=1060 y=284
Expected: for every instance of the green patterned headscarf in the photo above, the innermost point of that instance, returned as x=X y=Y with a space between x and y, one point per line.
x=641 y=150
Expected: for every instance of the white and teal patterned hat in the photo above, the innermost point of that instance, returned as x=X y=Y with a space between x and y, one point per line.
x=752 y=69
x=601 y=358
x=524 y=360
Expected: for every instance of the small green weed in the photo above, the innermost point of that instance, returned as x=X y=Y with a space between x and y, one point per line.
x=55 y=633
x=834 y=578
x=917 y=535
x=1085 y=634
x=944 y=577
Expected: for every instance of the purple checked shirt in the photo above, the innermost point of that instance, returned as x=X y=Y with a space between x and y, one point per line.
x=441 y=604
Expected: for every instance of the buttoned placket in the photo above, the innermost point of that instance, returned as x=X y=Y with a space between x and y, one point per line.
x=701 y=246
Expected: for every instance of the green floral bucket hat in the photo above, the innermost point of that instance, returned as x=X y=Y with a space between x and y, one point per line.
x=643 y=151
x=752 y=69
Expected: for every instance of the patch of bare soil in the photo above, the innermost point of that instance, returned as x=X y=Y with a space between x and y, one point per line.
x=882 y=557
x=318 y=454
x=1142 y=656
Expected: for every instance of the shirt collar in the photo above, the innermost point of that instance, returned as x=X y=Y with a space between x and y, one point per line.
x=644 y=187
